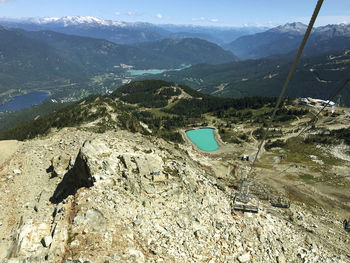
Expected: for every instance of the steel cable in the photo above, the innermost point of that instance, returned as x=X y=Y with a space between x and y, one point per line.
x=290 y=75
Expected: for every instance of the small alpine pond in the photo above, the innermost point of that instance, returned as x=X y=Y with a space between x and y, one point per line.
x=203 y=138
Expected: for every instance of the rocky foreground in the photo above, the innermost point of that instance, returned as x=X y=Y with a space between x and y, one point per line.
x=77 y=196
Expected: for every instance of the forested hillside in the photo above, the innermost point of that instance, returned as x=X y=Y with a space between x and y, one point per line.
x=162 y=106
x=317 y=76
x=189 y=51
x=49 y=60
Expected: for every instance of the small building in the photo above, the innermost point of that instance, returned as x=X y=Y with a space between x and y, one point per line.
x=245 y=158
x=316 y=102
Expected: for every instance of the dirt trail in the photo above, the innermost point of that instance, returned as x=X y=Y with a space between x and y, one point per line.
x=7 y=149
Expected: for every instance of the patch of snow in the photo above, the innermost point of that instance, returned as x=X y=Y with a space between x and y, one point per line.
x=76 y=20
x=295 y=27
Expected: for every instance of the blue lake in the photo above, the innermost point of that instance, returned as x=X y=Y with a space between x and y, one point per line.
x=204 y=139
x=24 y=101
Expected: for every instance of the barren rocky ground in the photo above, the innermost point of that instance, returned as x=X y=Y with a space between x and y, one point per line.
x=78 y=196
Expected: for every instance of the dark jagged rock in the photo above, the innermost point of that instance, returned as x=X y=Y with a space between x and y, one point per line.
x=79 y=176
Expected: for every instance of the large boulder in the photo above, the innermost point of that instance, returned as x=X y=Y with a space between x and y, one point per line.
x=60 y=165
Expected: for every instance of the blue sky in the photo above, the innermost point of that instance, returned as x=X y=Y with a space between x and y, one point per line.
x=199 y=12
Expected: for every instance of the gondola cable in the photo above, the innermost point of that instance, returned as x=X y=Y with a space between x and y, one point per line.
x=290 y=75
x=242 y=198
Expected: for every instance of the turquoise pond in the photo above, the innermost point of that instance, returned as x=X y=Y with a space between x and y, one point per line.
x=204 y=139
x=139 y=72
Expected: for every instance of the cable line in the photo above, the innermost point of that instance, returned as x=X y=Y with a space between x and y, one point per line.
x=290 y=75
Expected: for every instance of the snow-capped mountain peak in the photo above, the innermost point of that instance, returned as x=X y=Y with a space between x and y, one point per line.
x=342 y=30
x=295 y=27
x=75 y=20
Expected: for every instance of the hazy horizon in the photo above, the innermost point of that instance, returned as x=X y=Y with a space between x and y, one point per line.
x=255 y=13
x=32 y=19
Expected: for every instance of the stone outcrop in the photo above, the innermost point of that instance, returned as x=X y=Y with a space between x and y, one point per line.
x=79 y=176
x=60 y=165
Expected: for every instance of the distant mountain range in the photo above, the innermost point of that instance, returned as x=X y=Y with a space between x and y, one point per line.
x=25 y=60
x=286 y=39
x=218 y=35
x=193 y=51
x=244 y=42
x=37 y=56
x=129 y=33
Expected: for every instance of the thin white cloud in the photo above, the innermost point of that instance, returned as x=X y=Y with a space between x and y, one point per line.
x=4 y=1
x=117 y=13
x=160 y=16
x=199 y=19
x=214 y=20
